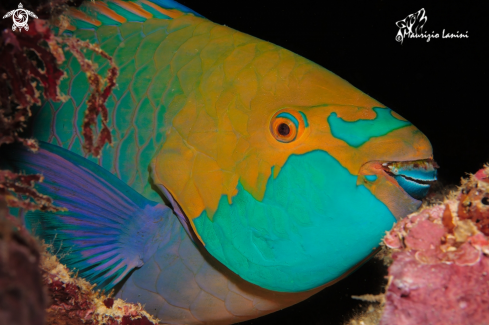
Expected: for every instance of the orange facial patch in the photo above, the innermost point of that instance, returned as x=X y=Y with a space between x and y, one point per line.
x=247 y=106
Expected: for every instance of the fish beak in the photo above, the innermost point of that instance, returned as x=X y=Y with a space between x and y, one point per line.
x=415 y=177
x=401 y=185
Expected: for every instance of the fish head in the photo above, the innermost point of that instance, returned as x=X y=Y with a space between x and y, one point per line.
x=287 y=174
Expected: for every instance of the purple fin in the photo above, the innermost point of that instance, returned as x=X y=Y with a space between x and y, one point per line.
x=109 y=228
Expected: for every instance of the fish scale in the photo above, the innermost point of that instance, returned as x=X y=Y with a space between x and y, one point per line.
x=136 y=100
x=187 y=51
x=179 y=282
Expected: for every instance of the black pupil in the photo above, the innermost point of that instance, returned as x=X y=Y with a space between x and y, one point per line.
x=283 y=129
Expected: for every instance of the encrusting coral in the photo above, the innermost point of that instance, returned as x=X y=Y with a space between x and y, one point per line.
x=74 y=300
x=439 y=272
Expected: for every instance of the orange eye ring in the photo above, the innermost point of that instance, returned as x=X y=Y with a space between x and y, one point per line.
x=283 y=129
x=287 y=125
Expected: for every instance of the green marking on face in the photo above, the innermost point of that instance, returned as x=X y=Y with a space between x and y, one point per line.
x=358 y=132
x=313 y=225
x=290 y=117
x=306 y=123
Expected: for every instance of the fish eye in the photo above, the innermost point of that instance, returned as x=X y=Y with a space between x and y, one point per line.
x=287 y=125
x=283 y=129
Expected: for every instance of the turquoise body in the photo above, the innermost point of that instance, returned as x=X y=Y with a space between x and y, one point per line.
x=299 y=215
x=112 y=235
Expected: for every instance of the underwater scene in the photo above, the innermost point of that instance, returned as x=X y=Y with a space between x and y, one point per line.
x=258 y=162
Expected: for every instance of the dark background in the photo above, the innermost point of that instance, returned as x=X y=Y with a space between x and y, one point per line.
x=440 y=86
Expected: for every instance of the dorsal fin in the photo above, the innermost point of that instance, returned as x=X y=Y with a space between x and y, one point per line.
x=81 y=16
x=104 y=10
x=132 y=7
x=172 y=13
x=92 y=14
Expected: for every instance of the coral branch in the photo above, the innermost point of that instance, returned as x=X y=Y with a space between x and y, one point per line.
x=19 y=74
x=12 y=185
x=24 y=62
x=98 y=97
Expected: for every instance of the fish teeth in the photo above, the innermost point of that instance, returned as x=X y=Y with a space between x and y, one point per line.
x=426 y=164
x=421 y=171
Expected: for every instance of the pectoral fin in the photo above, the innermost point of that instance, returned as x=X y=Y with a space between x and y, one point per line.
x=108 y=230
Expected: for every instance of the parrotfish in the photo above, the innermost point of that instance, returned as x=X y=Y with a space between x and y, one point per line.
x=242 y=178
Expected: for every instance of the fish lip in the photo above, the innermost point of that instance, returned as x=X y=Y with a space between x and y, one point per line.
x=403 y=173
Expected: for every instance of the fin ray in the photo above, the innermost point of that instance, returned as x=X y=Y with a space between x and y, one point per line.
x=92 y=14
x=108 y=229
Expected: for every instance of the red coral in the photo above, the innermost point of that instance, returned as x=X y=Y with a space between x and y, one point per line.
x=109 y=302
x=19 y=69
x=74 y=302
x=23 y=60
x=18 y=74
x=19 y=184
x=69 y=304
x=98 y=97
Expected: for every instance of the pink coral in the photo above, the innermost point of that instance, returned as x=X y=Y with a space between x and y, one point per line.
x=440 y=269
x=436 y=293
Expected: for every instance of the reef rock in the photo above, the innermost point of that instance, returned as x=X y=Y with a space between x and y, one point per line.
x=440 y=268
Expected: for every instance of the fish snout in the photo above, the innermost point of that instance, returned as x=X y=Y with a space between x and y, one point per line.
x=401 y=185
x=399 y=169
